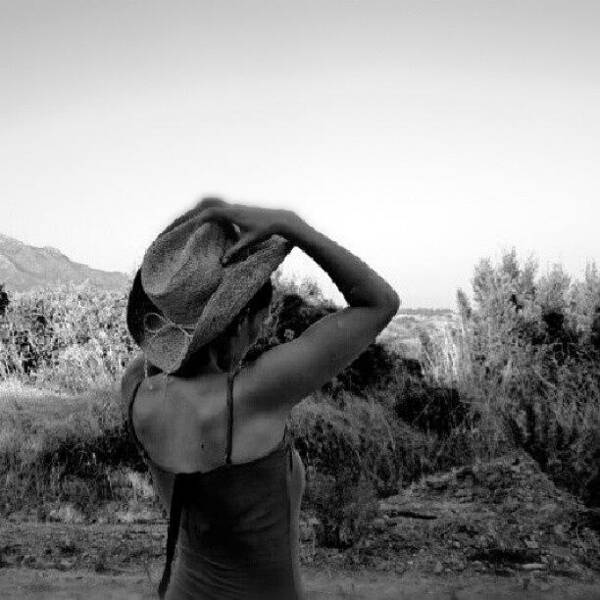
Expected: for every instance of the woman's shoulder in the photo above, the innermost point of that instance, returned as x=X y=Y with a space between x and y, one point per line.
x=179 y=420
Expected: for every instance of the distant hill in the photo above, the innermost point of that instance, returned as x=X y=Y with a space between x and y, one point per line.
x=24 y=267
x=403 y=331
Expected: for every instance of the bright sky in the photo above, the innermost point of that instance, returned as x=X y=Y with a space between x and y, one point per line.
x=420 y=135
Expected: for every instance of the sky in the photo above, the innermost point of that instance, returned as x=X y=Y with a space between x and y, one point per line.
x=422 y=136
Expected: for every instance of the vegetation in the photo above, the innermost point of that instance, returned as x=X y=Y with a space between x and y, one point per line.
x=528 y=350
x=517 y=366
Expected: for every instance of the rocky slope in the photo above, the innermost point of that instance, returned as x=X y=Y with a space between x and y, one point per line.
x=23 y=267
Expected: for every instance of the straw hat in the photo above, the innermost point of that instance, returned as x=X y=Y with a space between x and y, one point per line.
x=182 y=297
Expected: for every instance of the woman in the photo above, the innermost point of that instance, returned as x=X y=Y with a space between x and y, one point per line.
x=234 y=503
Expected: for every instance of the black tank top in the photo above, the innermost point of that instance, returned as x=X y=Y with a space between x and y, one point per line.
x=233 y=525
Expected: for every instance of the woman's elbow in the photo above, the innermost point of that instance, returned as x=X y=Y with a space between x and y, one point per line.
x=391 y=305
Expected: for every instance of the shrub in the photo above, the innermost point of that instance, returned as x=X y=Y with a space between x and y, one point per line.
x=527 y=355
x=58 y=448
x=66 y=338
x=356 y=438
x=344 y=506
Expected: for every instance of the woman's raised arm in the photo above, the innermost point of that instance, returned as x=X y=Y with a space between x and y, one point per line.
x=285 y=374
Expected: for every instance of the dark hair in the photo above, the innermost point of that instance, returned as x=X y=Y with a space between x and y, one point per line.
x=260 y=300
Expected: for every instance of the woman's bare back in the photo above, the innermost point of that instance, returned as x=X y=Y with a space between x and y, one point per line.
x=183 y=423
x=155 y=407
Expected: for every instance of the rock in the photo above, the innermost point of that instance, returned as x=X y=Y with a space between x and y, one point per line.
x=307 y=533
x=493 y=479
x=29 y=560
x=66 y=513
x=100 y=566
x=396 y=499
x=309 y=529
x=379 y=524
x=437 y=484
x=533 y=566
x=64 y=564
x=10 y=561
x=388 y=508
x=397 y=532
x=134 y=516
x=438 y=569
x=463 y=472
x=67 y=546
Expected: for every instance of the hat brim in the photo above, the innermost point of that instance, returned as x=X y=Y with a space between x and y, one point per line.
x=171 y=348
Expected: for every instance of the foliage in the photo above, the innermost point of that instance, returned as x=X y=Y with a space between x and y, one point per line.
x=57 y=448
x=65 y=338
x=517 y=366
x=350 y=434
x=353 y=435
x=527 y=352
x=345 y=507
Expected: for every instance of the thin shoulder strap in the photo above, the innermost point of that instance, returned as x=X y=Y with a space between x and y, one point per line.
x=230 y=377
x=179 y=492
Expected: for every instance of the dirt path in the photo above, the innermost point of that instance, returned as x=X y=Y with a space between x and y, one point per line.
x=121 y=561
x=32 y=584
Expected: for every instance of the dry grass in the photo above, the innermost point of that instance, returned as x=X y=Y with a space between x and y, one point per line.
x=522 y=394
x=62 y=447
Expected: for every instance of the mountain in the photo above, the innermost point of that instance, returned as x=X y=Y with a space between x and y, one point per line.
x=24 y=267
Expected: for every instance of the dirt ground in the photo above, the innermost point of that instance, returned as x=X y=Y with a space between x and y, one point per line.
x=32 y=584
x=59 y=561
x=498 y=532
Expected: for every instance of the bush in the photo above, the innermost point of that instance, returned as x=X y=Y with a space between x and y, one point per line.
x=68 y=338
x=527 y=354
x=344 y=506
x=63 y=449
x=432 y=409
x=357 y=439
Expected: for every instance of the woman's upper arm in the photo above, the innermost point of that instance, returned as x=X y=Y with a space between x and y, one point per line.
x=132 y=375
x=287 y=373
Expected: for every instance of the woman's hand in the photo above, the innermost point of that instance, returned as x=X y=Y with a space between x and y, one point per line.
x=255 y=223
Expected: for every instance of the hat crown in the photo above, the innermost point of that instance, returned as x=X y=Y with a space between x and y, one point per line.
x=182 y=297
x=182 y=268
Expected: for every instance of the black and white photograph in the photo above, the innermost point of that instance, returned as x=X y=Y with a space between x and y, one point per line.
x=300 y=300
